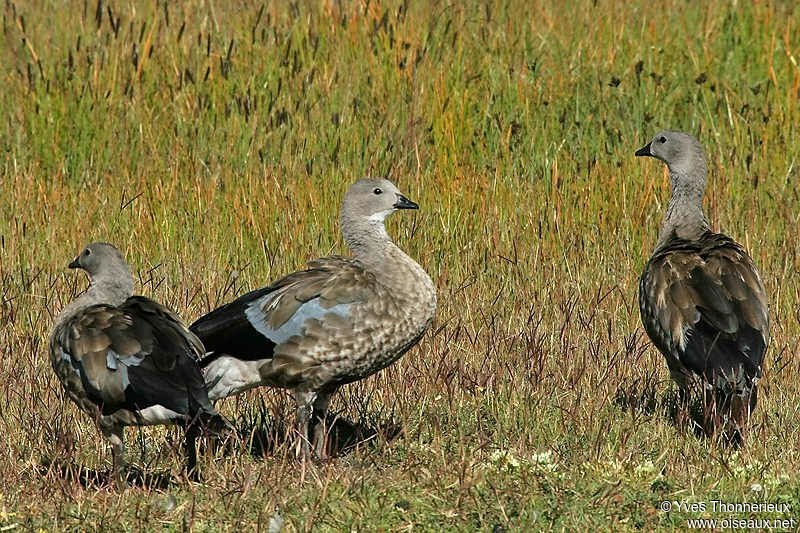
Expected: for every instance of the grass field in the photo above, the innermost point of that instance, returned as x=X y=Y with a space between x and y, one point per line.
x=213 y=142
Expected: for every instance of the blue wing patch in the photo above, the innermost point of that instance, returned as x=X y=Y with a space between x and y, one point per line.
x=296 y=323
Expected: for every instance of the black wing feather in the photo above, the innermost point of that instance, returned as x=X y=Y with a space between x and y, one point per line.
x=227 y=330
x=147 y=341
x=171 y=374
x=708 y=293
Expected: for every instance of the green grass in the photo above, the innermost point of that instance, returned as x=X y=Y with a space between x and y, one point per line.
x=213 y=144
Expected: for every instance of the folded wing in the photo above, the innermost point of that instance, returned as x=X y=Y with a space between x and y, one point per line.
x=132 y=357
x=250 y=327
x=705 y=307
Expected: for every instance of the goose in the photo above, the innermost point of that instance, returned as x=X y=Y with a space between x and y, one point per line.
x=701 y=298
x=337 y=321
x=127 y=360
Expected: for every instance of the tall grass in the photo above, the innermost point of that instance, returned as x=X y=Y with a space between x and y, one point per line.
x=213 y=142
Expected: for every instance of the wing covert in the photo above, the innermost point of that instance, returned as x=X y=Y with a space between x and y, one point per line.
x=252 y=325
x=704 y=304
x=134 y=356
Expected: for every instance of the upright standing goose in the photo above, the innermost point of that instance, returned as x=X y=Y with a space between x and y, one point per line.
x=338 y=321
x=126 y=360
x=702 y=301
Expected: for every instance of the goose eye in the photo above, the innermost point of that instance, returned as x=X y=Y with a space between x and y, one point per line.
x=87 y=252
x=377 y=190
x=662 y=140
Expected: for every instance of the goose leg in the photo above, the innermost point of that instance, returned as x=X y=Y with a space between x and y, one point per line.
x=304 y=401
x=683 y=411
x=320 y=429
x=739 y=409
x=115 y=437
x=190 y=449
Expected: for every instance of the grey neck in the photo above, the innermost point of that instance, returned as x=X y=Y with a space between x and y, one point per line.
x=373 y=248
x=684 y=217
x=104 y=291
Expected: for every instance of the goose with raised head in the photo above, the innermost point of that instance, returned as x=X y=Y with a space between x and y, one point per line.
x=701 y=298
x=127 y=360
x=338 y=321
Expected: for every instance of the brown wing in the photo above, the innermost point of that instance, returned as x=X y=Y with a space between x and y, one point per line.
x=333 y=281
x=704 y=306
x=132 y=357
x=252 y=325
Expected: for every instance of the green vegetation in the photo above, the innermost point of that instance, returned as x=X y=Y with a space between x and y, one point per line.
x=213 y=141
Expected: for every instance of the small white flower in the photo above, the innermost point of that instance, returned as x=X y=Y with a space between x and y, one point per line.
x=544 y=461
x=756 y=487
x=544 y=458
x=504 y=459
x=645 y=468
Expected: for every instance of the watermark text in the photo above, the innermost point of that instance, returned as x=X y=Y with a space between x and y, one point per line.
x=712 y=507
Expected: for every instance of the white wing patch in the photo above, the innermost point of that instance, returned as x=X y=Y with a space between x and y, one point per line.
x=296 y=323
x=226 y=376
x=158 y=414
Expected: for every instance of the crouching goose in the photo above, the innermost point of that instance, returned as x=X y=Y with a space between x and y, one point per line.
x=127 y=361
x=338 y=321
x=701 y=298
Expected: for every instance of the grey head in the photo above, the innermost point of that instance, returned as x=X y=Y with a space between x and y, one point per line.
x=367 y=204
x=681 y=151
x=686 y=159
x=106 y=267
